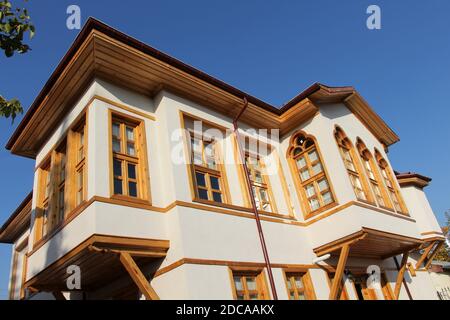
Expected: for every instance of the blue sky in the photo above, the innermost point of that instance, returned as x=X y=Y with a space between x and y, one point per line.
x=272 y=50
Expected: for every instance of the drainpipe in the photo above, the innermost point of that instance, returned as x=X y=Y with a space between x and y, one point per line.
x=252 y=198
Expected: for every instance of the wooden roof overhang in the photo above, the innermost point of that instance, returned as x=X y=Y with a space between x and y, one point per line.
x=371 y=244
x=99 y=259
x=412 y=179
x=102 y=52
x=18 y=222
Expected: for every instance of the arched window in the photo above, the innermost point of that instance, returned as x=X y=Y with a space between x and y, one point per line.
x=373 y=174
x=352 y=164
x=394 y=192
x=311 y=179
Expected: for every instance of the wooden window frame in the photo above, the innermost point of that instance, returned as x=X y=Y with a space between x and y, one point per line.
x=376 y=182
x=19 y=248
x=261 y=282
x=264 y=184
x=139 y=160
x=345 y=145
x=50 y=170
x=313 y=179
x=391 y=184
x=308 y=287
x=192 y=168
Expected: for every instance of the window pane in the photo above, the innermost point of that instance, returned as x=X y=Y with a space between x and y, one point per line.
x=317 y=168
x=116 y=145
x=301 y=162
x=313 y=156
x=131 y=171
x=203 y=194
x=310 y=191
x=314 y=203
x=117 y=168
x=301 y=296
x=327 y=197
x=257 y=202
x=118 y=186
x=251 y=283
x=263 y=195
x=130 y=133
x=131 y=151
x=200 y=179
x=305 y=175
x=217 y=197
x=254 y=296
x=323 y=184
x=291 y=295
x=116 y=130
x=298 y=282
x=132 y=189
x=198 y=159
x=258 y=177
x=215 y=184
x=289 y=284
x=238 y=283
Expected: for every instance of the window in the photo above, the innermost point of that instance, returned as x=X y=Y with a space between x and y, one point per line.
x=313 y=182
x=299 y=286
x=393 y=190
x=352 y=165
x=80 y=143
x=128 y=158
x=373 y=175
x=207 y=172
x=249 y=285
x=260 y=183
x=61 y=186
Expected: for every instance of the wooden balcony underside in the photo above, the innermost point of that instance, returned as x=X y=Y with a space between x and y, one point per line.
x=371 y=244
x=100 y=259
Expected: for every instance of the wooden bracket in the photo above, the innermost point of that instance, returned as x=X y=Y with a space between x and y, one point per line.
x=400 y=275
x=337 y=280
x=137 y=276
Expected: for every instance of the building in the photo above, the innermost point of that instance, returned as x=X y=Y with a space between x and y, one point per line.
x=115 y=192
x=440 y=276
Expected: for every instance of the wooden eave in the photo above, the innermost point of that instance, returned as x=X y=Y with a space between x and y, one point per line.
x=99 y=260
x=412 y=179
x=18 y=222
x=103 y=52
x=371 y=244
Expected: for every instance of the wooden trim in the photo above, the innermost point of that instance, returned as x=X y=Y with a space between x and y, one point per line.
x=241 y=173
x=137 y=276
x=307 y=211
x=284 y=185
x=400 y=275
x=141 y=162
x=334 y=291
x=340 y=243
x=356 y=161
x=258 y=273
x=306 y=280
x=440 y=233
x=411 y=269
x=124 y=107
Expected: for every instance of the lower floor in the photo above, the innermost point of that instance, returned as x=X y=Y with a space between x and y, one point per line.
x=200 y=279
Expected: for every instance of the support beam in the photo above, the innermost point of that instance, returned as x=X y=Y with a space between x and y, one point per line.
x=400 y=275
x=411 y=269
x=431 y=257
x=58 y=295
x=336 y=283
x=424 y=255
x=137 y=276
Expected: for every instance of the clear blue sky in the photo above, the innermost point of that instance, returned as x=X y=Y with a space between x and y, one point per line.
x=271 y=50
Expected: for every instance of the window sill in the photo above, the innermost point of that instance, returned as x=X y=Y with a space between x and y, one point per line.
x=321 y=210
x=129 y=199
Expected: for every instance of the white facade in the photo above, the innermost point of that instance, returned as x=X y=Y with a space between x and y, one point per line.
x=221 y=238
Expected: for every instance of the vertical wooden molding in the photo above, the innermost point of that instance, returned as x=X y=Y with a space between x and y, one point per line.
x=400 y=275
x=334 y=291
x=137 y=276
